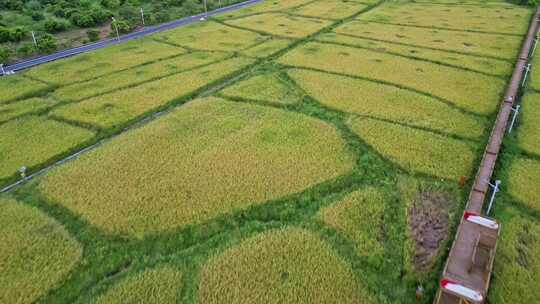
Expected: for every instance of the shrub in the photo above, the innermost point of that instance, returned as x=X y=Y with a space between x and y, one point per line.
x=122 y=25
x=93 y=35
x=47 y=44
x=53 y=25
x=4 y=54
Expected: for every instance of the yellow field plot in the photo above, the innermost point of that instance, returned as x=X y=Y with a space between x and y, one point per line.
x=97 y=63
x=510 y=19
x=280 y=266
x=486 y=65
x=36 y=253
x=267 y=48
x=264 y=6
x=210 y=36
x=17 y=86
x=137 y=75
x=468 y=90
x=529 y=124
x=205 y=159
x=359 y=217
x=331 y=9
x=417 y=150
x=116 y=108
x=266 y=87
x=281 y=24
x=159 y=285
x=386 y=102
x=499 y=46
x=30 y=141
x=22 y=107
x=523 y=176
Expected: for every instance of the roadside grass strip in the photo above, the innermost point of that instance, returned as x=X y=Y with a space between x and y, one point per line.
x=523 y=176
x=485 y=65
x=30 y=141
x=281 y=24
x=416 y=150
x=119 y=107
x=497 y=46
x=330 y=9
x=467 y=90
x=268 y=48
x=210 y=36
x=534 y=75
x=23 y=107
x=359 y=217
x=36 y=254
x=508 y=19
x=280 y=266
x=269 y=87
x=386 y=102
x=528 y=132
x=265 y=6
x=136 y=75
x=19 y=87
x=158 y=285
x=206 y=158
x=104 y=61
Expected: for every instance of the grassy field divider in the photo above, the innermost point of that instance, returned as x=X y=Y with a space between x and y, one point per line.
x=447 y=29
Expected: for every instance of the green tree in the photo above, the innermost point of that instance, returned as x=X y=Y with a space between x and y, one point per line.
x=47 y=44
x=4 y=54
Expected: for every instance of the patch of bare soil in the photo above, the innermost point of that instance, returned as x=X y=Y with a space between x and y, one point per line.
x=428 y=224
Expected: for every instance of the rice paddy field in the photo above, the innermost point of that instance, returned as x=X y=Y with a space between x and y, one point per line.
x=279 y=153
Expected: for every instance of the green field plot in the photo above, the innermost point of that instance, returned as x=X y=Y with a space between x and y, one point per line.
x=119 y=107
x=211 y=36
x=266 y=87
x=486 y=65
x=185 y=167
x=31 y=141
x=17 y=87
x=36 y=253
x=158 y=285
x=523 y=176
x=534 y=81
x=136 y=75
x=265 y=6
x=94 y=64
x=386 y=102
x=267 y=48
x=499 y=46
x=280 y=266
x=529 y=124
x=330 y=9
x=281 y=24
x=416 y=150
x=468 y=90
x=508 y=19
x=22 y=107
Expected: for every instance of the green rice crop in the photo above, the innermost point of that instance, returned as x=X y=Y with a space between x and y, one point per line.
x=119 y=107
x=486 y=65
x=266 y=87
x=331 y=9
x=281 y=24
x=523 y=176
x=265 y=6
x=36 y=253
x=94 y=64
x=267 y=48
x=204 y=159
x=468 y=90
x=529 y=125
x=386 y=102
x=30 y=141
x=280 y=266
x=510 y=19
x=210 y=36
x=416 y=150
x=22 y=107
x=158 y=285
x=499 y=46
x=18 y=86
x=137 y=75
x=534 y=80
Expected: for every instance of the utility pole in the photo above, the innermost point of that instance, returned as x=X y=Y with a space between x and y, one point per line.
x=2 y=69
x=142 y=16
x=34 y=38
x=205 y=11
x=116 y=28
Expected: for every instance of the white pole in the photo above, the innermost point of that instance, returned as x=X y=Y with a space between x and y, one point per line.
x=535 y=45
x=2 y=69
x=205 y=9
x=142 y=16
x=495 y=190
x=516 y=112
x=34 y=38
x=116 y=28
x=527 y=68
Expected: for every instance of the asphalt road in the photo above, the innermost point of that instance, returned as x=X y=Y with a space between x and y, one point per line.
x=103 y=43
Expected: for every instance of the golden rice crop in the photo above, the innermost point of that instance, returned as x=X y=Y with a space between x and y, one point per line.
x=281 y=24
x=266 y=87
x=416 y=150
x=158 y=285
x=523 y=176
x=267 y=48
x=331 y=9
x=30 y=141
x=386 y=102
x=36 y=253
x=119 y=107
x=18 y=86
x=103 y=61
x=265 y=6
x=137 y=75
x=508 y=19
x=529 y=125
x=486 y=65
x=204 y=159
x=22 y=107
x=280 y=266
x=468 y=90
x=499 y=46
